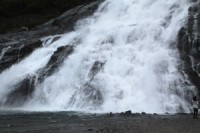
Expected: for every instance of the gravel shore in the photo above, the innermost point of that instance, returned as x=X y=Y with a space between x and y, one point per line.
x=73 y=122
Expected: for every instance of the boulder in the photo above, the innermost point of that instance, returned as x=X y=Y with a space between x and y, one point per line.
x=143 y=113
x=128 y=113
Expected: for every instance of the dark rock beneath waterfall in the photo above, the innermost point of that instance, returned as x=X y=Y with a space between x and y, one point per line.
x=67 y=23
x=55 y=61
x=97 y=66
x=14 y=53
x=21 y=92
x=189 y=45
x=87 y=96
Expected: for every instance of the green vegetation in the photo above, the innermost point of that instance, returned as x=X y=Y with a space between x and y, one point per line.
x=17 y=13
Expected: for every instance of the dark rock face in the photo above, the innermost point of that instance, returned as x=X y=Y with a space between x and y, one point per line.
x=21 y=92
x=97 y=66
x=56 y=60
x=67 y=20
x=14 y=53
x=73 y=15
x=17 y=14
x=189 y=45
x=89 y=95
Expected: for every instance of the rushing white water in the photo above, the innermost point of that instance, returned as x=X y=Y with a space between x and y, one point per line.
x=29 y=66
x=135 y=39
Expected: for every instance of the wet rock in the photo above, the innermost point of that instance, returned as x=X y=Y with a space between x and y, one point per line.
x=55 y=61
x=143 y=113
x=56 y=38
x=189 y=45
x=94 y=114
x=87 y=96
x=90 y=130
x=122 y=113
x=127 y=113
x=110 y=114
x=21 y=92
x=66 y=22
x=136 y=114
x=181 y=114
x=14 y=53
x=97 y=66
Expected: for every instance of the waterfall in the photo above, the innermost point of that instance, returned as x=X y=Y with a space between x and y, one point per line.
x=124 y=58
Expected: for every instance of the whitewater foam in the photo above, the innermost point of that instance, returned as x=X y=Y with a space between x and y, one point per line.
x=136 y=42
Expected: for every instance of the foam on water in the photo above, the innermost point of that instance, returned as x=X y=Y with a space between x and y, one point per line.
x=136 y=41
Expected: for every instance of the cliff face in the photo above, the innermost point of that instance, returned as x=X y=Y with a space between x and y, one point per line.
x=15 y=14
x=189 y=44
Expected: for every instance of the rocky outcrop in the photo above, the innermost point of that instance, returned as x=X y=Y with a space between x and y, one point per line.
x=21 y=92
x=67 y=23
x=23 y=15
x=56 y=60
x=91 y=97
x=13 y=53
x=97 y=66
x=189 y=45
x=89 y=92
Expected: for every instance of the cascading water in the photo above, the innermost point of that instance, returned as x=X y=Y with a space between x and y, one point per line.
x=126 y=58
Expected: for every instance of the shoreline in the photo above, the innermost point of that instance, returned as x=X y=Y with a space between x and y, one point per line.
x=76 y=122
